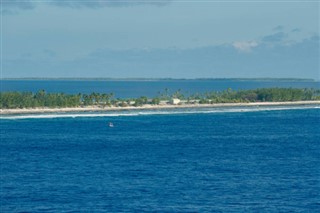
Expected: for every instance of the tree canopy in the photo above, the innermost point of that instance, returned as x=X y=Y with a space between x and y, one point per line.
x=10 y=100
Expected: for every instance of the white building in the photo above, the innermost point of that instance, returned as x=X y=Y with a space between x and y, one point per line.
x=175 y=101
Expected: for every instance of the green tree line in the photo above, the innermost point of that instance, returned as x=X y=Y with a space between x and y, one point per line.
x=9 y=100
x=262 y=95
x=41 y=98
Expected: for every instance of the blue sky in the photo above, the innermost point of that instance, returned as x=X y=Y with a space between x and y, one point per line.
x=159 y=39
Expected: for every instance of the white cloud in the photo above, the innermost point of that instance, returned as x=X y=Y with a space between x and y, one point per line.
x=245 y=46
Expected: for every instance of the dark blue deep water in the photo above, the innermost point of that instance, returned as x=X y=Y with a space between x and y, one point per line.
x=253 y=161
x=132 y=89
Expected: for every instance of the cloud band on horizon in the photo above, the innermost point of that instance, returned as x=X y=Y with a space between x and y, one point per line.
x=12 y=6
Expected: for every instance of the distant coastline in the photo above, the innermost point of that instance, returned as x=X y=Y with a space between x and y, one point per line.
x=43 y=102
x=150 y=107
x=161 y=79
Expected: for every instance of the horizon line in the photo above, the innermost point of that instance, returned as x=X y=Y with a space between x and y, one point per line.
x=157 y=79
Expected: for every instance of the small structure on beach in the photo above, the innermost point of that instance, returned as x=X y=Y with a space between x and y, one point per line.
x=175 y=101
x=163 y=102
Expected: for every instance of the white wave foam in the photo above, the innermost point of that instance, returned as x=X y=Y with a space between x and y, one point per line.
x=157 y=112
x=64 y=115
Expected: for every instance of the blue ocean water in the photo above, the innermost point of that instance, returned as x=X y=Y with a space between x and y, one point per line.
x=132 y=89
x=232 y=160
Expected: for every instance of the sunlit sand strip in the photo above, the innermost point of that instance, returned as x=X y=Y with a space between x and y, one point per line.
x=151 y=107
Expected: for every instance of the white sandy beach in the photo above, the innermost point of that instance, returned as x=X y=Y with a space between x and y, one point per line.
x=148 y=107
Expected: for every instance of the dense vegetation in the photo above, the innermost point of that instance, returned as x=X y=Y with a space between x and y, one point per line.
x=262 y=95
x=52 y=100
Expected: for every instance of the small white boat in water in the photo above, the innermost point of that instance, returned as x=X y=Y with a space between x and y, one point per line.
x=111 y=124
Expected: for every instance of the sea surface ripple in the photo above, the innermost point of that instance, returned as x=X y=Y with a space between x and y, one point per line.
x=252 y=161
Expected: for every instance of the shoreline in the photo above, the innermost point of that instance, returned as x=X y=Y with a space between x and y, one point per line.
x=150 y=107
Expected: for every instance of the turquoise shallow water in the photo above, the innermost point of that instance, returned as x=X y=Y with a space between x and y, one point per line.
x=236 y=160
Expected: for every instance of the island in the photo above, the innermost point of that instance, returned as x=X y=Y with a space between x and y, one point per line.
x=43 y=102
